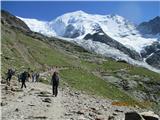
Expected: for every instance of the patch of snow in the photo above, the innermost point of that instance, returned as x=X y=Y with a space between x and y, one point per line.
x=100 y=33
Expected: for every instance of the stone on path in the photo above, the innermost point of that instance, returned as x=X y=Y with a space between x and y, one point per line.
x=133 y=116
x=149 y=115
x=48 y=100
x=141 y=116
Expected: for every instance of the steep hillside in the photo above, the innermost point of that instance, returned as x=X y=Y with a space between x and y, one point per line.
x=83 y=70
x=11 y=20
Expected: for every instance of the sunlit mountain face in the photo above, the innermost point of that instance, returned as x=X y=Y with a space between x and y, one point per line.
x=109 y=35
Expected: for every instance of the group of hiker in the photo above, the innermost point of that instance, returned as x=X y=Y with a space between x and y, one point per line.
x=34 y=76
x=22 y=77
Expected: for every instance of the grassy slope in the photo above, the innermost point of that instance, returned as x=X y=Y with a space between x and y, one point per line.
x=86 y=81
x=111 y=66
x=21 y=51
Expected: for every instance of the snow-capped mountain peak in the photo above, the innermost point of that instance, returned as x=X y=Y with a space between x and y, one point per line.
x=79 y=23
x=84 y=22
x=110 y=35
x=79 y=20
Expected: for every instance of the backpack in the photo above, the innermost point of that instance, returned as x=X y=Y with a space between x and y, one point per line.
x=55 y=79
x=10 y=72
x=20 y=76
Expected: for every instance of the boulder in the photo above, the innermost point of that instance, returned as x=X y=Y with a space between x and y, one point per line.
x=48 y=100
x=133 y=116
x=141 y=116
x=44 y=94
x=149 y=115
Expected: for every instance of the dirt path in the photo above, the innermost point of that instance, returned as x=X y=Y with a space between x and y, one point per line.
x=34 y=102
x=37 y=103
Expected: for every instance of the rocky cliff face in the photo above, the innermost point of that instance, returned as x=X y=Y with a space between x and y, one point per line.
x=151 y=54
x=148 y=50
x=100 y=36
x=154 y=59
x=12 y=21
x=150 y=27
x=72 y=32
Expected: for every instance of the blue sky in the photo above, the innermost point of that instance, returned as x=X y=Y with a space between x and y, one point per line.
x=134 y=11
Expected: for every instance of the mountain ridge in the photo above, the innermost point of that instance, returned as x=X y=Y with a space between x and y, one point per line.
x=150 y=27
x=77 y=25
x=82 y=17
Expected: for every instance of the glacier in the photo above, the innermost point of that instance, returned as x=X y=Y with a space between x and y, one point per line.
x=106 y=50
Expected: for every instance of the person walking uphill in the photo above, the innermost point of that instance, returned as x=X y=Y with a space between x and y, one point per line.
x=24 y=77
x=10 y=73
x=55 y=83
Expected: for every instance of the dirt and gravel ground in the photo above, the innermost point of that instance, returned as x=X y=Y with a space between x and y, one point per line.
x=37 y=103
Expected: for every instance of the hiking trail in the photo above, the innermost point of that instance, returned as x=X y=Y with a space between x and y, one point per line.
x=36 y=102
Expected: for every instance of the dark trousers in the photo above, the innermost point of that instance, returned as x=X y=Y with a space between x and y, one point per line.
x=55 y=89
x=23 y=84
x=8 y=79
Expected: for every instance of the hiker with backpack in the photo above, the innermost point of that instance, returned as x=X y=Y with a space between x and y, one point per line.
x=37 y=77
x=55 y=83
x=24 y=78
x=28 y=74
x=10 y=73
